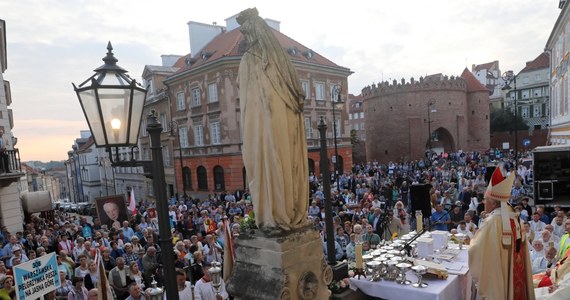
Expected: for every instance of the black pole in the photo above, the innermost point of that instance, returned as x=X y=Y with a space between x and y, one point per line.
x=336 y=175
x=327 y=191
x=181 y=161
x=516 y=122
x=154 y=128
x=429 y=127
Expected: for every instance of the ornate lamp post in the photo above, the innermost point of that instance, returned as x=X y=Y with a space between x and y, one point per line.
x=112 y=103
x=176 y=131
x=322 y=126
x=337 y=102
x=431 y=109
x=510 y=77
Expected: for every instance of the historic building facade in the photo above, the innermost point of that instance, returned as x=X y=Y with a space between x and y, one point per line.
x=404 y=119
x=205 y=105
x=558 y=46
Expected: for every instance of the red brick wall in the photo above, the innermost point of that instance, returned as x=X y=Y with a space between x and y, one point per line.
x=233 y=167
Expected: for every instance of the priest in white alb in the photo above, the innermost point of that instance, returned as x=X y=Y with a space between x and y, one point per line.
x=498 y=254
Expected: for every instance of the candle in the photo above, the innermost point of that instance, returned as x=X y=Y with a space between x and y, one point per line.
x=358 y=255
x=419 y=221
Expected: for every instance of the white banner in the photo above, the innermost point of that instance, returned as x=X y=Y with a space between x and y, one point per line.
x=37 y=277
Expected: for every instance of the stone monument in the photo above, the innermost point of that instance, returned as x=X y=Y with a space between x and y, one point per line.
x=284 y=258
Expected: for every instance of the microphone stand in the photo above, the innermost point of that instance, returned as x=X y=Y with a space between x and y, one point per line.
x=408 y=245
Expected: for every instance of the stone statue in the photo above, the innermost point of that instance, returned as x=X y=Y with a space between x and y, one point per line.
x=274 y=142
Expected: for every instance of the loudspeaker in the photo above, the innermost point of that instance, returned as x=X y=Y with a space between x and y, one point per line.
x=420 y=200
x=489 y=173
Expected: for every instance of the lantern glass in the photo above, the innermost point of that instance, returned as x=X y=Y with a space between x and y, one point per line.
x=113 y=105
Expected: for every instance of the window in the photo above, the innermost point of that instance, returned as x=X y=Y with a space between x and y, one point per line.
x=525 y=79
x=350 y=116
x=537 y=92
x=537 y=110
x=308 y=128
x=196 y=101
x=180 y=103
x=362 y=115
x=524 y=112
x=198 y=135
x=319 y=91
x=305 y=86
x=537 y=77
x=212 y=93
x=361 y=126
x=166 y=156
x=355 y=116
x=143 y=127
x=183 y=132
x=163 y=122
x=215 y=133
x=334 y=91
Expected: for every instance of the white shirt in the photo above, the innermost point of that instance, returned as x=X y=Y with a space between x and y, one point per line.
x=186 y=293
x=205 y=291
x=537 y=227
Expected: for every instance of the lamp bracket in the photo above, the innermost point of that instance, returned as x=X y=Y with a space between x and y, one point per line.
x=118 y=162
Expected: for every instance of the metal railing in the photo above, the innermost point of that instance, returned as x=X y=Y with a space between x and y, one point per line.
x=14 y=164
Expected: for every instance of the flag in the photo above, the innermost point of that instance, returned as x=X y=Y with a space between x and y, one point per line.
x=105 y=292
x=132 y=202
x=228 y=251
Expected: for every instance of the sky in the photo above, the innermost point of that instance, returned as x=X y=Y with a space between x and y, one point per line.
x=52 y=43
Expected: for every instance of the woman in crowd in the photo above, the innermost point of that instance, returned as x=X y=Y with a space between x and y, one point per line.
x=7 y=292
x=92 y=277
x=135 y=275
x=83 y=267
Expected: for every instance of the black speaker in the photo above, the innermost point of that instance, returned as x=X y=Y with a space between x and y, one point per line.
x=489 y=173
x=419 y=195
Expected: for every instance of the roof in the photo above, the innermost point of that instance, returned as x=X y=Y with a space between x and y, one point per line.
x=232 y=44
x=540 y=62
x=90 y=141
x=473 y=85
x=485 y=66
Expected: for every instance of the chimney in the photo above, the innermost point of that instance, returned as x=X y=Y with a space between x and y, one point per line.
x=201 y=34
x=168 y=60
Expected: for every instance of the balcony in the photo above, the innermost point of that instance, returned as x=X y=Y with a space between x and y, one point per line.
x=14 y=167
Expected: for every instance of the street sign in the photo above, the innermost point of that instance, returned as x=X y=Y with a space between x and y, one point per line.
x=526 y=142
x=37 y=277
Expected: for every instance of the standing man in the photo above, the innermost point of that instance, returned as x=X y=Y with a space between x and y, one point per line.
x=118 y=279
x=4 y=144
x=564 y=241
x=498 y=254
x=184 y=286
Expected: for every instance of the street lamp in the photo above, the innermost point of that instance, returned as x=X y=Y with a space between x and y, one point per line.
x=510 y=77
x=431 y=109
x=112 y=103
x=322 y=127
x=172 y=132
x=338 y=104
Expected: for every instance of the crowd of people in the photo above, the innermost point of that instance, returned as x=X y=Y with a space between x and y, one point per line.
x=371 y=204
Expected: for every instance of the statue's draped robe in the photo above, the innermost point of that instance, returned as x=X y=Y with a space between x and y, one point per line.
x=274 y=141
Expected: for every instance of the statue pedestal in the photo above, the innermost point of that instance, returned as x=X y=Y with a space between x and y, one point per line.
x=287 y=265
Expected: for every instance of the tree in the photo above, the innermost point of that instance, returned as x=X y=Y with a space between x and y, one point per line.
x=504 y=120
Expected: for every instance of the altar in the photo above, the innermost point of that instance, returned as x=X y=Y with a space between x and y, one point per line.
x=453 y=288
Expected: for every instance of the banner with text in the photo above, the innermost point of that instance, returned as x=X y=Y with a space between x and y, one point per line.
x=37 y=277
